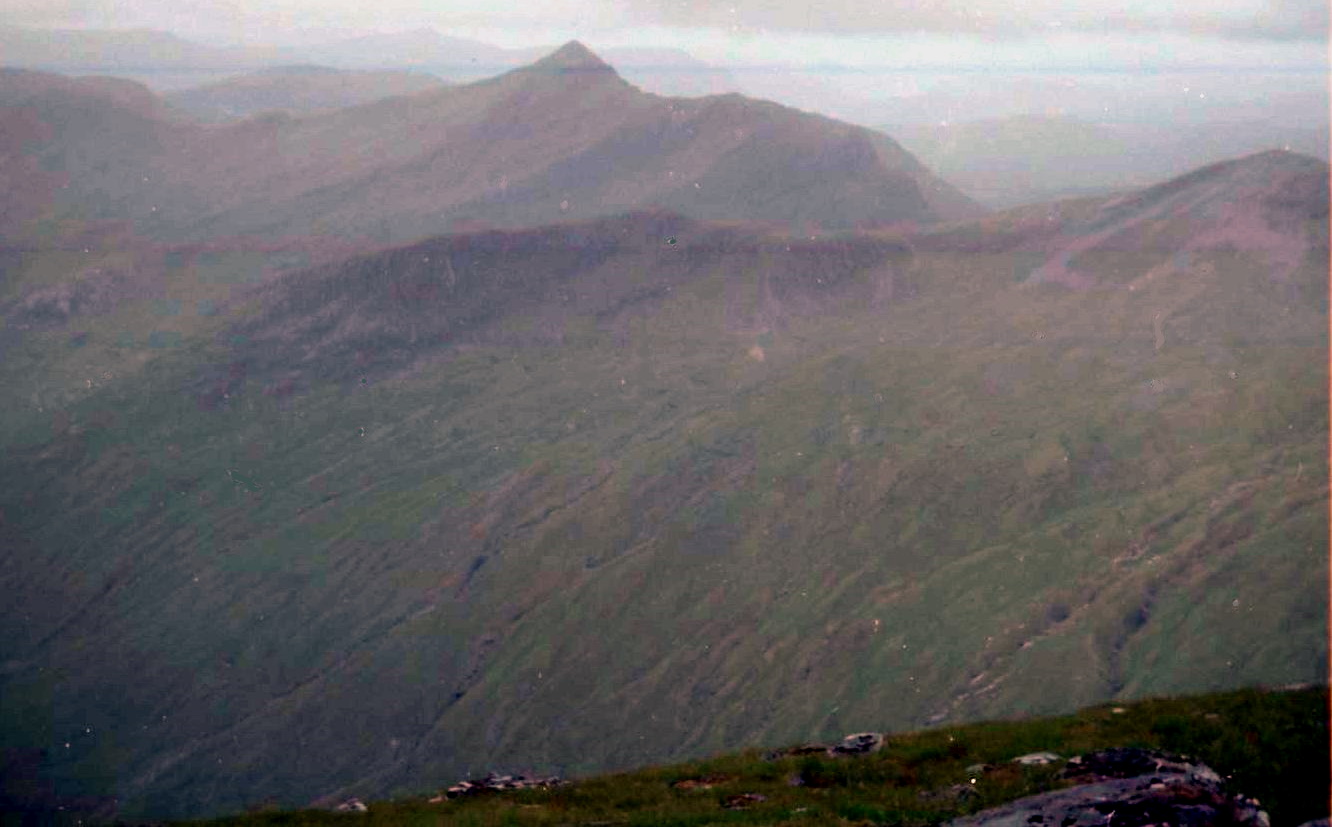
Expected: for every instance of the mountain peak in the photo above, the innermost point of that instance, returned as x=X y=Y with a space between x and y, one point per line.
x=573 y=57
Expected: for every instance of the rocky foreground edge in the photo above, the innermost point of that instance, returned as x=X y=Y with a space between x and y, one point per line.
x=1116 y=787
x=1125 y=787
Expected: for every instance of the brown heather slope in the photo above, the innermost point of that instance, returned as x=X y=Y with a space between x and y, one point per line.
x=563 y=138
x=575 y=498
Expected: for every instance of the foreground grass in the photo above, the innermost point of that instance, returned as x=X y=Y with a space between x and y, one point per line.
x=1272 y=745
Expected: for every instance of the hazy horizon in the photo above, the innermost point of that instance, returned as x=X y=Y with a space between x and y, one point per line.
x=1191 y=63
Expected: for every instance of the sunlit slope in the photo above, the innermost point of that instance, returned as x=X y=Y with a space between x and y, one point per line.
x=583 y=497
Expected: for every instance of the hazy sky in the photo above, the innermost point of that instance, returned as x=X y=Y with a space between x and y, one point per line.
x=1159 y=58
x=535 y=22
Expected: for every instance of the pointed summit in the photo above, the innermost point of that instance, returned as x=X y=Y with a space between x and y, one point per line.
x=572 y=57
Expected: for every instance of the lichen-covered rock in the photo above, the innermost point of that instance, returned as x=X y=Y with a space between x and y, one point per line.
x=1129 y=788
x=1121 y=762
x=860 y=743
x=494 y=783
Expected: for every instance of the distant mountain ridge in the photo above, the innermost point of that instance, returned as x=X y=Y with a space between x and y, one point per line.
x=167 y=62
x=299 y=89
x=563 y=138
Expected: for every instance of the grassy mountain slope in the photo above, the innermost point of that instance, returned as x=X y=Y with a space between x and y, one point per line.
x=1270 y=745
x=625 y=491
x=563 y=138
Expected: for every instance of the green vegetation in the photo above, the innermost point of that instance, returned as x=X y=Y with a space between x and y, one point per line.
x=1271 y=745
x=758 y=507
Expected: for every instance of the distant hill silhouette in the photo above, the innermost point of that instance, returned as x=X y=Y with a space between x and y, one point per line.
x=563 y=138
x=300 y=89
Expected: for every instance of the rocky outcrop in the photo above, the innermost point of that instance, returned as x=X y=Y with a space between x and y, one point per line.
x=494 y=783
x=859 y=743
x=1129 y=788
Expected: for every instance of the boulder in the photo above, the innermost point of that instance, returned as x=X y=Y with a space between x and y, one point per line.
x=1129 y=788
x=494 y=783
x=1036 y=758
x=351 y=805
x=860 y=743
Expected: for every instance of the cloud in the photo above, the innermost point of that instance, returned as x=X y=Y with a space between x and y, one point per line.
x=1256 y=19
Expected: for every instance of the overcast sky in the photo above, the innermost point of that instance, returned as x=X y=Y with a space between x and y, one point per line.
x=1168 y=57
x=1239 y=19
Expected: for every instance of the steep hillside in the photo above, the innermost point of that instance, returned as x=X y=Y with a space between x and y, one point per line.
x=563 y=138
x=1267 y=745
x=78 y=149
x=298 y=90
x=622 y=491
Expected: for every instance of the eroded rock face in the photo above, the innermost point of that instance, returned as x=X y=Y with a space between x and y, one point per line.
x=1129 y=788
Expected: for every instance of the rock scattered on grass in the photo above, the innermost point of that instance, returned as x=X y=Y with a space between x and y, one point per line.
x=1034 y=759
x=493 y=783
x=1129 y=788
x=743 y=801
x=860 y=743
